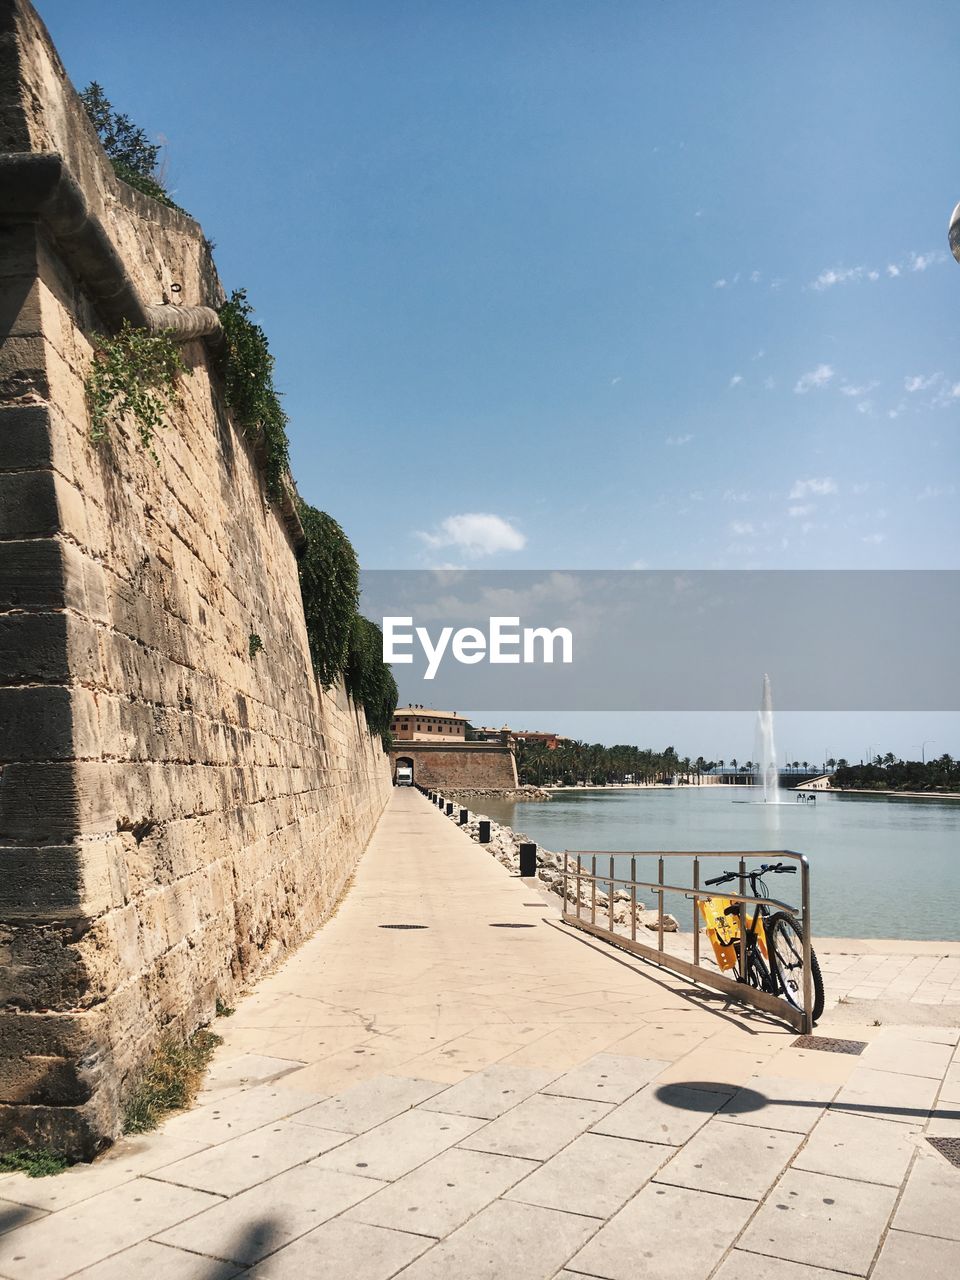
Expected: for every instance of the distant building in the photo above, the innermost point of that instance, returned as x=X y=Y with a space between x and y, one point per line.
x=534 y=738
x=423 y=724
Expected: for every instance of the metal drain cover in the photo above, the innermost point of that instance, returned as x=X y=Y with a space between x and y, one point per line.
x=949 y=1148
x=828 y=1045
x=513 y=926
x=402 y=926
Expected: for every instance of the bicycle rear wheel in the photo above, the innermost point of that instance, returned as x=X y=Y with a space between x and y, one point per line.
x=785 y=947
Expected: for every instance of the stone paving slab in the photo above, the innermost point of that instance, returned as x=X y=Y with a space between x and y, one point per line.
x=739 y=1161
x=608 y=1077
x=594 y=1176
x=238 y=1114
x=444 y=1193
x=778 y=1102
x=399 y=1145
x=738 y=1264
x=848 y=1145
x=368 y=1104
x=889 y=1095
x=257 y=1222
x=670 y=1115
x=664 y=1233
x=342 y=1249
x=151 y=1261
x=906 y=1256
x=931 y=1201
x=821 y=1221
x=522 y=1241
x=537 y=1128
x=240 y=1163
x=61 y=1243
x=491 y=1092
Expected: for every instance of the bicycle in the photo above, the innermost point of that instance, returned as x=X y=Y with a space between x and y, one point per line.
x=774 y=943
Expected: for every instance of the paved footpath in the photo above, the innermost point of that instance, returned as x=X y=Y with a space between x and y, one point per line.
x=492 y=1095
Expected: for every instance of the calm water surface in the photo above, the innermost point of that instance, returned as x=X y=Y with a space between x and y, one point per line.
x=880 y=867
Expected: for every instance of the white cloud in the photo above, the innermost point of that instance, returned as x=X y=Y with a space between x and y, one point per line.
x=736 y=379
x=920 y=261
x=769 y=384
x=864 y=406
x=874 y=539
x=892 y=270
x=818 y=488
x=476 y=534
x=804 y=509
x=861 y=487
x=758 y=355
x=737 y=495
x=719 y=284
x=848 y=389
x=837 y=275
x=936 y=491
x=614 y=381
x=921 y=382
x=814 y=380
x=742 y=529
x=678 y=440
x=754 y=277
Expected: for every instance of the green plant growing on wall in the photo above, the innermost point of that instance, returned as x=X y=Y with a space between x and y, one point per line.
x=35 y=1162
x=134 y=372
x=170 y=1081
x=369 y=680
x=255 y=644
x=247 y=369
x=133 y=156
x=329 y=587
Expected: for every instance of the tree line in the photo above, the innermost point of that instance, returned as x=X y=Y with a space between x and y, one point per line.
x=889 y=773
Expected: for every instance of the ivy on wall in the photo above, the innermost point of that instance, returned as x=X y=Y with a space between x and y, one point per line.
x=247 y=369
x=329 y=585
x=369 y=680
x=136 y=373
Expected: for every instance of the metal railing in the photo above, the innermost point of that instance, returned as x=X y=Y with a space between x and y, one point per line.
x=575 y=873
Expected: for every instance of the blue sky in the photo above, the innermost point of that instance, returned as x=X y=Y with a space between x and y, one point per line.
x=640 y=284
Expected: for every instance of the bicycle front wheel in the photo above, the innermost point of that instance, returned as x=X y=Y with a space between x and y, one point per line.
x=785 y=946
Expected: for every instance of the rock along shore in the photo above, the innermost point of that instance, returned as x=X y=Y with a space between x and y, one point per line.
x=505 y=844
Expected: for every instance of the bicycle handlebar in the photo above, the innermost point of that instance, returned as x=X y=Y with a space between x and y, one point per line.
x=778 y=868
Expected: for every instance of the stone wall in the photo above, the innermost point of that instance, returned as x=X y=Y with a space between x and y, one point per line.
x=468 y=765
x=174 y=814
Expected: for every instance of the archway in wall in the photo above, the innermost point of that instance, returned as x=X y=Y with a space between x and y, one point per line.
x=405 y=762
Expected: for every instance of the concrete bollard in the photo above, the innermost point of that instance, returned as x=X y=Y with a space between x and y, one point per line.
x=439 y=802
x=528 y=859
x=464 y=814
x=449 y=809
x=483 y=835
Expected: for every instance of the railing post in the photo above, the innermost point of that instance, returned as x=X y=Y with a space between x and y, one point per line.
x=566 y=859
x=633 y=899
x=579 y=868
x=660 y=905
x=696 y=912
x=593 y=895
x=611 y=894
x=807 y=974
